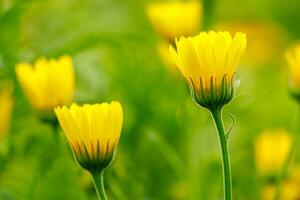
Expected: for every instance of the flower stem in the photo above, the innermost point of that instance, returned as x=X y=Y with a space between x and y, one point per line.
x=99 y=185
x=227 y=180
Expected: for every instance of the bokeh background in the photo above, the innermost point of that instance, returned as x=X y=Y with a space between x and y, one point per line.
x=168 y=147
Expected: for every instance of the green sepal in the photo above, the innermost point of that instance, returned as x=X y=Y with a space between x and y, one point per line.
x=212 y=97
x=94 y=161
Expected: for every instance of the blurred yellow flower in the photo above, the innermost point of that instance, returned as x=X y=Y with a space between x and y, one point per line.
x=47 y=83
x=93 y=132
x=271 y=149
x=6 y=102
x=293 y=58
x=265 y=40
x=208 y=61
x=290 y=189
x=176 y=18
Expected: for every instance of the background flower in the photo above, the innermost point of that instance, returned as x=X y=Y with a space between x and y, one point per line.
x=175 y=18
x=47 y=83
x=271 y=150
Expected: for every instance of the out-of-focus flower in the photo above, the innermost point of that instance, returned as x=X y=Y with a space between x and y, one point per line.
x=271 y=149
x=177 y=18
x=293 y=58
x=47 y=83
x=6 y=102
x=93 y=132
x=208 y=61
x=265 y=40
x=290 y=189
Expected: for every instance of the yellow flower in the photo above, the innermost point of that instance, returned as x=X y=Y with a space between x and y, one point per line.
x=293 y=58
x=93 y=132
x=290 y=189
x=208 y=61
x=271 y=149
x=174 y=19
x=6 y=102
x=47 y=83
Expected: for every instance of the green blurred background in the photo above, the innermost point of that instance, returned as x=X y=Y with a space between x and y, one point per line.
x=168 y=147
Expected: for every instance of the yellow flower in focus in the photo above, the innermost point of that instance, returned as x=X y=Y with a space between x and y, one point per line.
x=271 y=149
x=208 y=61
x=6 y=102
x=93 y=132
x=176 y=18
x=293 y=58
x=47 y=83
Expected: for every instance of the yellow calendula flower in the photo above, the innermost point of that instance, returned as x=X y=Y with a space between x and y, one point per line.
x=176 y=18
x=293 y=59
x=6 y=102
x=47 y=83
x=208 y=61
x=93 y=132
x=271 y=149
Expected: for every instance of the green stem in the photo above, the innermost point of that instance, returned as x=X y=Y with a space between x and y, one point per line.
x=99 y=185
x=217 y=117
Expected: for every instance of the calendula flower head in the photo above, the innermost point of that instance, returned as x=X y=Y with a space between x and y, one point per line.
x=6 y=102
x=47 y=83
x=93 y=132
x=271 y=149
x=176 y=18
x=293 y=58
x=208 y=62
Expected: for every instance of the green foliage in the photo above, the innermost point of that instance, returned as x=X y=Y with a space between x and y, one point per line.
x=168 y=148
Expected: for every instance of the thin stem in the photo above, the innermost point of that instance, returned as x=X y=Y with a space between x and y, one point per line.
x=99 y=185
x=227 y=180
